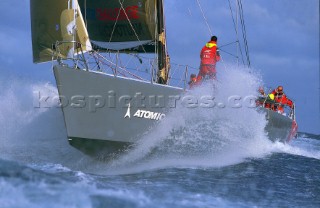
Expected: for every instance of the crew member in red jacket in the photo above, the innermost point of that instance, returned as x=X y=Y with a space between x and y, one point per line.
x=281 y=99
x=193 y=81
x=209 y=56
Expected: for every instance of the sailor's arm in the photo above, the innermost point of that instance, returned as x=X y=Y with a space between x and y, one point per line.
x=290 y=103
x=217 y=54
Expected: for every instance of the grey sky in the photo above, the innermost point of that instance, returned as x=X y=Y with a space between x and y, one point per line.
x=283 y=38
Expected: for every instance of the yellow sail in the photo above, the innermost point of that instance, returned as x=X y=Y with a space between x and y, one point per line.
x=53 y=21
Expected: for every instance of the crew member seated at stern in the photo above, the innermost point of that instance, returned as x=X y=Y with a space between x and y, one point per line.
x=281 y=100
x=275 y=101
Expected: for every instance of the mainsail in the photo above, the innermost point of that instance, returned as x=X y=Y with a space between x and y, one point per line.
x=120 y=26
x=127 y=26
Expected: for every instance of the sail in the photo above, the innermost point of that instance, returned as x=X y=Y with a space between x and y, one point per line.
x=121 y=25
x=163 y=57
x=106 y=25
x=53 y=21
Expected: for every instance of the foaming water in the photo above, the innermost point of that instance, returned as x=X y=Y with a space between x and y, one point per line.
x=195 y=137
x=57 y=186
x=203 y=136
x=200 y=136
x=29 y=133
x=196 y=157
x=305 y=147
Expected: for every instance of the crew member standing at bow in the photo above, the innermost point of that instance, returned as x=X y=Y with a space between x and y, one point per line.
x=209 y=56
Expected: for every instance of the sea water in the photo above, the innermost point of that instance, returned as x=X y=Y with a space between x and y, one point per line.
x=200 y=156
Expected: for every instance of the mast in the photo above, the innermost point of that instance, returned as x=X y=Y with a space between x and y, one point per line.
x=74 y=33
x=163 y=57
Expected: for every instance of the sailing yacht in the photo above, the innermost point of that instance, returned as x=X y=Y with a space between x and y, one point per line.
x=107 y=111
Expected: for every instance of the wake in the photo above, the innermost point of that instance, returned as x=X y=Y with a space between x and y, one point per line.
x=305 y=147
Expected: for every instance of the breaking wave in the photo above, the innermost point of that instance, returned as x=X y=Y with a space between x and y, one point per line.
x=225 y=134
x=306 y=147
x=30 y=134
x=198 y=137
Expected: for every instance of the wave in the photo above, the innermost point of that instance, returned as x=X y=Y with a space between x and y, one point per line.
x=301 y=146
x=57 y=186
x=308 y=135
x=197 y=137
x=204 y=136
x=29 y=133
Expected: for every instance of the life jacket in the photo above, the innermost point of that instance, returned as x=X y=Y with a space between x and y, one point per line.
x=281 y=99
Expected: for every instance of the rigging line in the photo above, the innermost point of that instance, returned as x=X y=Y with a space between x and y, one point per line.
x=236 y=30
x=174 y=71
x=115 y=24
x=85 y=13
x=97 y=61
x=227 y=44
x=121 y=3
x=240 y=49
x=234 y=23
x=204 y=17
x=244 y=26
x=96 y=55
x=132 y=74
x=245 y=35
x=228 y=53
x=190 y=67
x=111 y=63
x=224 y=65
x=244 y=32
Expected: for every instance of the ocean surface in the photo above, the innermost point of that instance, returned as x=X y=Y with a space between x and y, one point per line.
x=198 y=157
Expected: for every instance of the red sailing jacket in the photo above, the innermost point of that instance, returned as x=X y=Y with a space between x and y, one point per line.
x=209 y=54
x=282 y=99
